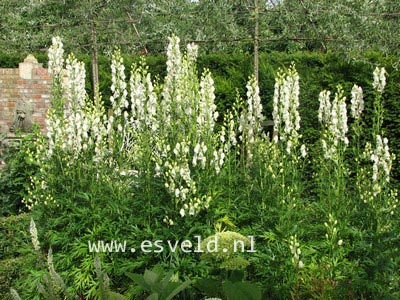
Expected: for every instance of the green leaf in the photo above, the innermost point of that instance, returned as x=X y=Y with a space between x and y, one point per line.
x=139 y=280
x=153 y=296
x=210 y=287
x=115 y=296
x=178 y=289
x=241 y=290
x=151 y=277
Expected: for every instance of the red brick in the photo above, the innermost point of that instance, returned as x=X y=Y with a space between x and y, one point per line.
x=41 y=71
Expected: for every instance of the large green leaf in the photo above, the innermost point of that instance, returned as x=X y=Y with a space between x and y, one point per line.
x=241 y=290
x=178 y=289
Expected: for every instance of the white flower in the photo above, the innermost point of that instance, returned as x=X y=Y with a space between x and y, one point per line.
x=192 y=50
x=207 y=114
x=34 y=235
x=382 y=163
x=334 y=118
x=324 y=111
x=182 y=212
x=285 y=108
x=251 y=118
x=118 y=98
x=357 y=101
x=379 y=79
x=55 y=54
x=303 y=150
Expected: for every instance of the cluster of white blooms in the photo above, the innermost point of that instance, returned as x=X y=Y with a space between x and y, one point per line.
x=70 y=131
x=174 y=57
x=55 y=133
x=382 y=160
x=119 y=95
x=325 y=107
x=98 y=128
x=179 y=181
x=379 y=79
x=15 y=295
x=199 y=154
x=144 y=100
x=251 y=118
x=192 y=52
x=34 y=235
x=357 y=101
x=334 y=117
x=338 y=124
x=228 y=140
x=78 y=122
x=74 y=86
x=207 y=111
x=231 y=133
x=183 y=118
x=296 y=252
x=56 y=56
x=218 y=159
x=178 y=176
x=186 y=116
x=170 y=88
x=285 y=112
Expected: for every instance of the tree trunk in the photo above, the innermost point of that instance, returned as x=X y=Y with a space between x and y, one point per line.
x=95 y=62
x=256 y=38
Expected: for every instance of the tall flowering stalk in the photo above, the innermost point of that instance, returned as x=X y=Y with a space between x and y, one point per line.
x=143 y=100
x=56 y=65
x=285 y=108
x=378 y=84
x=186 y=150
x=207 y=110
x=382 y=164
x=332 y=173
x=333 y=117
x=34 y=235
x=357 y=101
x=382 y=200
x=251 y=120
x=118 y=99
x=170 y=90
x=70 y=131
x=77 y=121
x=74 y=128
x=284 y=151
x=356 y=108
x=56 y=57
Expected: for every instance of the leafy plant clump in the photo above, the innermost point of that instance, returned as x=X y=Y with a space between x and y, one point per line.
x=163 y=164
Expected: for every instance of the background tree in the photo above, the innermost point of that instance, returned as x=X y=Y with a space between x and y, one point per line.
x=349 y=26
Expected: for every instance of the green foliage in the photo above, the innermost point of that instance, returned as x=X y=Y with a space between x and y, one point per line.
x=230 y=288
x=15 y=175
x=323 y=227
x=13 y=240
x=159 y=285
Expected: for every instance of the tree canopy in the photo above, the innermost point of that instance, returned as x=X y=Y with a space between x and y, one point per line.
x=141 y=26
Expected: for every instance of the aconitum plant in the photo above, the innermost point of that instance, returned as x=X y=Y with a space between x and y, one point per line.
x=285 y=108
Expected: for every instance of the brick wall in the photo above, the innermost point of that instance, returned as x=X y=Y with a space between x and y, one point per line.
x=30 y=82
